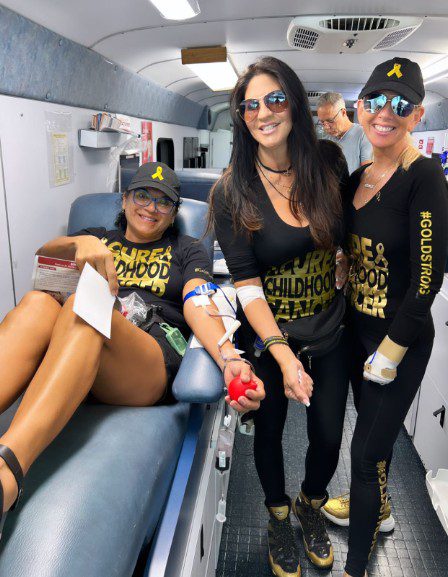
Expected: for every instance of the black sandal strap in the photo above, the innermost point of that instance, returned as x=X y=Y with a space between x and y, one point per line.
x=11 y=460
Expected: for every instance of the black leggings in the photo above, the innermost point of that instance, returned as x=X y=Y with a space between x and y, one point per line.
x=325 y=419
x=381 y=413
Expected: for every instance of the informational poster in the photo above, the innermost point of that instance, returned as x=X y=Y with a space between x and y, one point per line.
x=59 y=149
x=59 y=153
x=147 y=155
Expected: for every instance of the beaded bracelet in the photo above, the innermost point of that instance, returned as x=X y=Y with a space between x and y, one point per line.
x=275 y=340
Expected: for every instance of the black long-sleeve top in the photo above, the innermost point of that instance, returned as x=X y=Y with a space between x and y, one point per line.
x=398 y=242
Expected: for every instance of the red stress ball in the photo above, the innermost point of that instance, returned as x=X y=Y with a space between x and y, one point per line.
x=238 y=389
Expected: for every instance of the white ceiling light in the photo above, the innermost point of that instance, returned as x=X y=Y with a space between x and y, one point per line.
x=436 y=71
x=212 y=66
x=217 y=76
x=177 y=9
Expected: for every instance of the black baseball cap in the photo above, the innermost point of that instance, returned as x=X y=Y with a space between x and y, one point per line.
x=157 y=175
x=399 y=75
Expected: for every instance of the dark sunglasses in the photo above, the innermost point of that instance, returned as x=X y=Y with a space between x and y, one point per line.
x=276 y=101
x=373 y=103
x=162 y=204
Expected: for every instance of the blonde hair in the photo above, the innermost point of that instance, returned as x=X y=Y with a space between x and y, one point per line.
x=409 y=155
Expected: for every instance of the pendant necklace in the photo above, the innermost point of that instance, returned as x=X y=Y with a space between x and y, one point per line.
x=371 y=186
x=285 y=172
x=275 y=188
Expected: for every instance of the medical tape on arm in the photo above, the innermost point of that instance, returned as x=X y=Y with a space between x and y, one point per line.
x=200 y=298
x=247 y=294
x=383 y=363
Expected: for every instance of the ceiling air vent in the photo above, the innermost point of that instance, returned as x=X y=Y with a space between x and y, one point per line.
x=314 y=94
x=393 y=38
x=350 y=34
x=304 y=39
x=358 y=23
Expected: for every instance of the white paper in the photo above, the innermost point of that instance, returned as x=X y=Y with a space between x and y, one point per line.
x=94 y=301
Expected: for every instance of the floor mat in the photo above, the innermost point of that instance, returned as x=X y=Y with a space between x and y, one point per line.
x=418 y=547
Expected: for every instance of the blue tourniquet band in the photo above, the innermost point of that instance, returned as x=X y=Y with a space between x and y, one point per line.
x=204 y=289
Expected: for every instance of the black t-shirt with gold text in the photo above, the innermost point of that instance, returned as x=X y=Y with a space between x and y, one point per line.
x=298 y=279
x=398 y=242
x=157 y=271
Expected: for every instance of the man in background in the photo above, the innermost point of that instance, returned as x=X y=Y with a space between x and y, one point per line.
x=338 y=127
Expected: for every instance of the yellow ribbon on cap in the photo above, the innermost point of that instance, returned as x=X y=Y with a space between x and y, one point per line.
x=396 y=70
x=158 y=173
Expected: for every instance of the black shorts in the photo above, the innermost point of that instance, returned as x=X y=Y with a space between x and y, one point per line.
x=172 y=363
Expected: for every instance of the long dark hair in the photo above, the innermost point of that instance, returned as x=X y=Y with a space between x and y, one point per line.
x=315 y=186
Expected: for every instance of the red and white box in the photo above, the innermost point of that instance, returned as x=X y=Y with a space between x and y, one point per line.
x=55 y=275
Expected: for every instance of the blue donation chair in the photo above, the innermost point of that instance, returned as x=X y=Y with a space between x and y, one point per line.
x=96 y=496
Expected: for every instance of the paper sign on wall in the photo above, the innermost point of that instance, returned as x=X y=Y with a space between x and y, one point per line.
x=59 y=149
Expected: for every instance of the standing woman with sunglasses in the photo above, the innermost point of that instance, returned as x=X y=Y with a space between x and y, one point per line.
x=277 y=214
x=55 y=357
x=398 y=234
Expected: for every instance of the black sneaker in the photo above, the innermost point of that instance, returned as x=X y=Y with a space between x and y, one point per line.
x=317 y=543
x=283 y=547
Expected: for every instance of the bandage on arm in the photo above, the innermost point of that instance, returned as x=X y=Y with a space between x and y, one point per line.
x=381 y=366
x=248 y=293
x=261 y=319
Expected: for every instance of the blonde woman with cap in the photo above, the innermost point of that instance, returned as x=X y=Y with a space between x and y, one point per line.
x=397 y=238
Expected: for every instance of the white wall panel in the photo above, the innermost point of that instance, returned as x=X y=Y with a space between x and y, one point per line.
x=6 y=285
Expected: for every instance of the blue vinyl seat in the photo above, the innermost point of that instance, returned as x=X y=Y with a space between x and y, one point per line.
x=95 y=497
x=197 y=182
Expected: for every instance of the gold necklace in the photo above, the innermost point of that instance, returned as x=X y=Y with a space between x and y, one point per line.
x=372 y=186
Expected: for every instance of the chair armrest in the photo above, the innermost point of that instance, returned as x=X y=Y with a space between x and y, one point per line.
x=199 y=379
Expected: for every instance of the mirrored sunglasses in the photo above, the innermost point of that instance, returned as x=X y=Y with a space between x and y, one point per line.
x=275 y=101
x=373 y=103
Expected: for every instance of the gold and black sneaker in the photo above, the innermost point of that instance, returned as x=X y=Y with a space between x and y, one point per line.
x=337 y=510
x=317 y=543
x=283 y=547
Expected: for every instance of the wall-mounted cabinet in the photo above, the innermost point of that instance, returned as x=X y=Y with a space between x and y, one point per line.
x=95 y=139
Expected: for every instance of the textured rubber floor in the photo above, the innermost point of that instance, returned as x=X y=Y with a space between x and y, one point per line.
x=418 y=547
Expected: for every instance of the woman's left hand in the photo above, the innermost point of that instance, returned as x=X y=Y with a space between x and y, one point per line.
x=342 y=268
x=253 y=397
